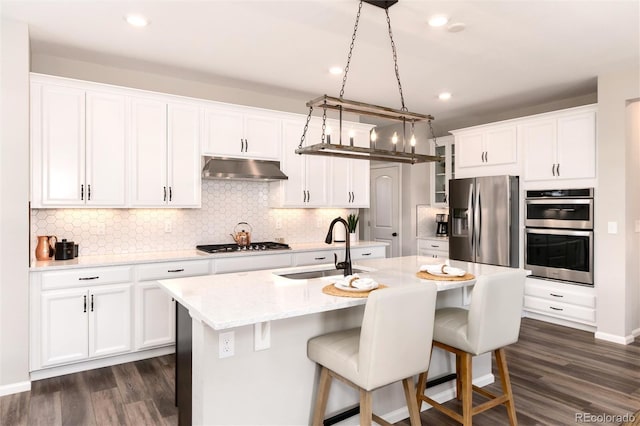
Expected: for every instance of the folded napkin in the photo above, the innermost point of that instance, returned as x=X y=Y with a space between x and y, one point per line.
x=441 y=269
x=354 y=281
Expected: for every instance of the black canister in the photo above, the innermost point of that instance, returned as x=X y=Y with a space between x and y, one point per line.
x=64 y=250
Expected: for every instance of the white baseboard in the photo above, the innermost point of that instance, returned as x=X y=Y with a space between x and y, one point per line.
x=636 y=332
x=621 y=340
x=99 y=363
x=441 y=393
x=15 y=388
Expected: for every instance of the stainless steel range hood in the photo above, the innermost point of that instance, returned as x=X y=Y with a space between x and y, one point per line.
x=241 y=169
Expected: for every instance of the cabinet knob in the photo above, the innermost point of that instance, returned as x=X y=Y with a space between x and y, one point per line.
x=395 y=234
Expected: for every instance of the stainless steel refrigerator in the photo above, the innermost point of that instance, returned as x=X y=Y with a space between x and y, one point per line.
x=483 y=220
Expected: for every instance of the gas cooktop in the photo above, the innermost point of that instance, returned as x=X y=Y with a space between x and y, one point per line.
x=224 y=248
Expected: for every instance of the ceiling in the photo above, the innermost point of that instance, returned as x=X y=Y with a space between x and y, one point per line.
x=511 y=54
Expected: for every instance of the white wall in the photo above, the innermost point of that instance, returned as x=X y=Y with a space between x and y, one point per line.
x=633 y=216
x=616 y=275
x=14 y=208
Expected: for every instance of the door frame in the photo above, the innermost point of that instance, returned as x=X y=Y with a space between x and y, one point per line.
x=366 y=213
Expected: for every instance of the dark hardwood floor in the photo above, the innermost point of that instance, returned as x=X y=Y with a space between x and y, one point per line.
x=556 y=372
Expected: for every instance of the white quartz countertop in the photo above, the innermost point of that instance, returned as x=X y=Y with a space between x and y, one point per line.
x=181 y=255
x=238 y=299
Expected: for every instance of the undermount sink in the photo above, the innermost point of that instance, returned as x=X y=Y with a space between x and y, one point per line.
x=306 y=275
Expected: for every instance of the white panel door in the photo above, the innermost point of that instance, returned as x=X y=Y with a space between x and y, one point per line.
x=501 y=146
x=148 y=153
x=155 y=316
x=64 y=326
x=63 y=146
x=106 y=150
x=109 y=320
x=470 y=149
x=183 y=155
x=539 y=139
x=263 y=137
x=385 y=213
x=577 y=146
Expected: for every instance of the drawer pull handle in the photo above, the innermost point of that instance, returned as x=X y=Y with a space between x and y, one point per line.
x=176 y=270
x=85 y=303
x=88 y=278
x=366 y=254
x=555 y=295
x=320 y=258
x=435 y=246
x=92 y=303
x=556 y=309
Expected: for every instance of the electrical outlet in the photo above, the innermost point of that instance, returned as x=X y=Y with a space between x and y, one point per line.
x=100 y=229
x=278 y=223
x=168 y=226
x=612 y=227
x=225 y=344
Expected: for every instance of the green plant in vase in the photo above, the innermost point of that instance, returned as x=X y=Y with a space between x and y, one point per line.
x=352 y=223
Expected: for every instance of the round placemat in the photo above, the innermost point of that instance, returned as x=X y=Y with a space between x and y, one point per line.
x=427 y=276
x=334 y=291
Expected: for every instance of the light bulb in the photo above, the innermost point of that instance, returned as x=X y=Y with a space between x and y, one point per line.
x=374 y=135
x=413 y=140
x=394 y=138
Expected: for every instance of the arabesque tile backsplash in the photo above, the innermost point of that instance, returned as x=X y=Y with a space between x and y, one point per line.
x=224 y=204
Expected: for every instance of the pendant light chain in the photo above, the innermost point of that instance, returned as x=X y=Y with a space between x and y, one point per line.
x=306 y=127
x=395 y=61
x=433 y=134
x=353 y=41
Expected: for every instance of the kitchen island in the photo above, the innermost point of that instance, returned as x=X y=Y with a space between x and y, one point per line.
x=261 y=374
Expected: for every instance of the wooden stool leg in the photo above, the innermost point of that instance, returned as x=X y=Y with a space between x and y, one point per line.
x=501 y=360
x=458 y=384
x=366 y=409
x=322 y=396
x=422 y=385
x=466 y=386
x=412 y=404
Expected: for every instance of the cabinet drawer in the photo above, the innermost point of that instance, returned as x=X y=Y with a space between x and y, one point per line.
x=368 y=253
x=86 y=277
x=559 y=309
x=562 y=296
x=314 y=258
x=253 y=263
x=159 y=271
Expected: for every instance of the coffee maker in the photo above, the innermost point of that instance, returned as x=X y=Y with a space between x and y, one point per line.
x=442 y=225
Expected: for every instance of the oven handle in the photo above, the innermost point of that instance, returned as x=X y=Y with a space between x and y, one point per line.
x=559 y=201
x=570 y=232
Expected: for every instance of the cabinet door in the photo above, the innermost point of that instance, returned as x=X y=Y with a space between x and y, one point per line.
x=155 y=316
x=291 y=191
x=360 y=170
x=316 y=169
x=183 y=156
x=539 y=139
x=577 y=146
x=109 y=320
x=500 y=146
x=470 y=149
x=341 y=174
x=106 y=150
x=148 y=153
x=262 y=137
x=223 y=133
x=63 y=146
x=63 y=326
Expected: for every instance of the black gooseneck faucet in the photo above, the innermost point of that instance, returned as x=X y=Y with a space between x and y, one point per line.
x=346 y=265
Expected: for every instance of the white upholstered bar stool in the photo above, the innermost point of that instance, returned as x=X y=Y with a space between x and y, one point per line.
x=393 y=344
x=491 y=323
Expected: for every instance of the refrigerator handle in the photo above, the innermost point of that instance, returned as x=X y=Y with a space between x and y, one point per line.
x=476 y=224
x=470 y=210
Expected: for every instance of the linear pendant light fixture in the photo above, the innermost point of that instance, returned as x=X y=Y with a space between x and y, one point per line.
x=344 y=105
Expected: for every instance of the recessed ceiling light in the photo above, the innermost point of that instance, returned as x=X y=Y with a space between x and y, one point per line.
x=456 y=27
x=136 y=20
x=444 y=96
x=335 y=70
x=438 y=20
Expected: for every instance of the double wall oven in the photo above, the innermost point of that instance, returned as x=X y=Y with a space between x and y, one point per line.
x=559 y=235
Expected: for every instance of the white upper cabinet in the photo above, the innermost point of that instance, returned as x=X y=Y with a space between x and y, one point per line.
x=487 y=146
x=349 y=177
x=560 y=146
x=165 y=142
x=308 y=183
x=442 y=171
x=79 y=145
x=233 y=132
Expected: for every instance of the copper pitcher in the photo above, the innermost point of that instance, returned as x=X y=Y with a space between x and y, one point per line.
x=46 y=247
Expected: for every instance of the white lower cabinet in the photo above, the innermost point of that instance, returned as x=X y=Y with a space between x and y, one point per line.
x=86 y=322
x=550 y=300
x=433 y=247
x=154 y=308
